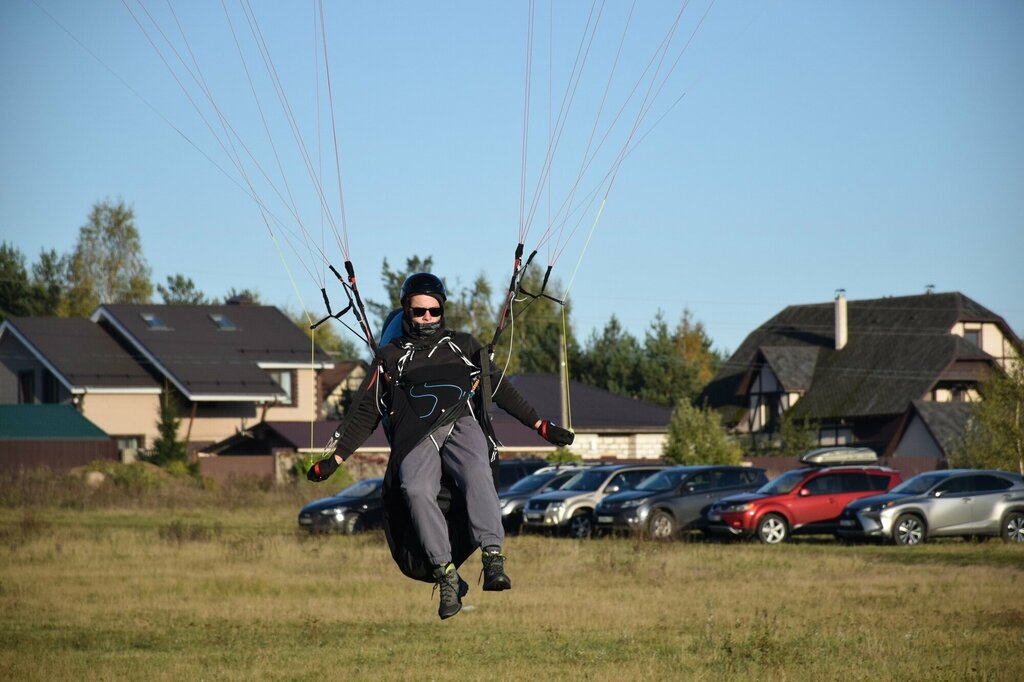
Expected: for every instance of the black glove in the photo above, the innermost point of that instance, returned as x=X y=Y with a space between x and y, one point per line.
x=555 y=434
x=322 y=470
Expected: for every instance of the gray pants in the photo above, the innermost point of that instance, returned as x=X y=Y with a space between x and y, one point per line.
x=463 y=455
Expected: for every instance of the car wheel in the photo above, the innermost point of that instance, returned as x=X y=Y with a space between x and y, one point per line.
x=581 y=525
x=1013 y=527
x=662 y=526
x=351 y=524
x=772 y=529
x=908 y=530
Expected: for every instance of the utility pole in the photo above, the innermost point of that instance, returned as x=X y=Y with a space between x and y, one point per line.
x=563 y=381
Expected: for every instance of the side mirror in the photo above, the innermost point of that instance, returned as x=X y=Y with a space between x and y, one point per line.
x=612 y=489
x=804 y=492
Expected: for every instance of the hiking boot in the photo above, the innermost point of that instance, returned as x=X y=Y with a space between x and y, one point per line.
x=448 y=583
x=495 y=578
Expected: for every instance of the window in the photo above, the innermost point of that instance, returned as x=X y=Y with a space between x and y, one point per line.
x=51 y=388
x=855 y=483
x=628 y=480
x=955 y=486
x=833 y=434
x=285 y=378
x=223 y=323
x=988 y=483
x=828 y=484
x=730 y=478
x=27 y=387
x=153 y=322
x=699 y=482
x=879 y=482
x=973 y=336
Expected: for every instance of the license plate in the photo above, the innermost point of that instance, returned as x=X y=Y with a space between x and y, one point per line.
x=305 y=522
x=847 y=523
x=604 y=519
x=534 y=517
x=714 y=517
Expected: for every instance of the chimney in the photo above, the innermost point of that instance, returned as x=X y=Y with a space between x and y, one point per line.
x=841 y=326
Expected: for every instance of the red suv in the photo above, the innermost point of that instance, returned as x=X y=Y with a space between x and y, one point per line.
x=805 y=501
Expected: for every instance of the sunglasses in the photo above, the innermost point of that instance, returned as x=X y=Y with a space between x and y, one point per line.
x=420 y=312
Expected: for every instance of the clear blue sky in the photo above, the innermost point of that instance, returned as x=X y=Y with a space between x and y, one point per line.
x=870 y=146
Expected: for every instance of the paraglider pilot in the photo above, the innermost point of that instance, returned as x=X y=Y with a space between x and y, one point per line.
x=427 y=386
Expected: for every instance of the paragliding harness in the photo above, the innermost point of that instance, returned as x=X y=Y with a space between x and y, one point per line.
x=403 y=540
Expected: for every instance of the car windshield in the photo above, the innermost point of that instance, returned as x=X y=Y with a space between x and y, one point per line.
x=585 y=481
x=783 y=484
x=530 y=483
x=360 y=489
x=919 y=484
x=661 y=481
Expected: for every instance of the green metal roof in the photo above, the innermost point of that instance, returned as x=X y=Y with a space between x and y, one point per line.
x=46 y=422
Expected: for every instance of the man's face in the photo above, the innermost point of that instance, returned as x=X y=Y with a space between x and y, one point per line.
x=424 y=309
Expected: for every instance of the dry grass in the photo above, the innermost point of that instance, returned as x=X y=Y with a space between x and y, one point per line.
x=210 y=593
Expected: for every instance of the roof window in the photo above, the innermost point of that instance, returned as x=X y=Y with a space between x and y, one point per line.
x=223 y=323
x=153 y=322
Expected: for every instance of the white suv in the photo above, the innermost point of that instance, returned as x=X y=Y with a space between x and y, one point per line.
x=570 y=509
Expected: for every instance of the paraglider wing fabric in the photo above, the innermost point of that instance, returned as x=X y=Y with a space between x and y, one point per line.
x=404 y=543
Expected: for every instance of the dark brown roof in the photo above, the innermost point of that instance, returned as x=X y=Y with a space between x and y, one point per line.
x=80 y=354
x=898 y=348
x=206 y=360
x=592 y=409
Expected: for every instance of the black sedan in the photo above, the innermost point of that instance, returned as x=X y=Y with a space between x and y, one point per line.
x=674 y=499
x=357 y=507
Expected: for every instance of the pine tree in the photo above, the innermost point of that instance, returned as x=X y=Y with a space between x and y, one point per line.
x=167 y=449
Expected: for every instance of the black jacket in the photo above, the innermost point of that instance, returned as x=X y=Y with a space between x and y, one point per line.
x=415 y=386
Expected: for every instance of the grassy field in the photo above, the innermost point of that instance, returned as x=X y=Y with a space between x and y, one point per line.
x=207 y=586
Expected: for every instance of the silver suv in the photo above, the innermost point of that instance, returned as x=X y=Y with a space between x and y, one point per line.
x=955 y=502
x=570 y=509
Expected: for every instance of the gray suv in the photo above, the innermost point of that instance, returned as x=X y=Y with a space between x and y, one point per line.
x=570 y=509
x=955 y=502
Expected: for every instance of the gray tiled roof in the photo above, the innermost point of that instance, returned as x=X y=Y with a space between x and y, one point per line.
x=793 y=365
x=898 y=348
x=205 y=361
x=947 y=422
x=81 y=353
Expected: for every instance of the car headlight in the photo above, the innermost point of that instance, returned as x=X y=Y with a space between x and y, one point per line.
x=508 y=506
x=333 y=511
x=633 y=503
x=736 y=507
x=556 y=506
x=878 y=507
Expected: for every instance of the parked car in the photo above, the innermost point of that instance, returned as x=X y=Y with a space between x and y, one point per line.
x=511 y=470
x=357 y=507
x=966 y=502
x=674 y=499
x=802 y=501
x=570 y=509
x=543 y=480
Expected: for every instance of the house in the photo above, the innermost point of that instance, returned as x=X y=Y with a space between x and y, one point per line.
x=56 y=436
x=227 y=367
x=338 y=385
x=607 y=426
x=893 y=374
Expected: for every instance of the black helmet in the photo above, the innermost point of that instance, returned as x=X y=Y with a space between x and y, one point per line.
x=423 y=283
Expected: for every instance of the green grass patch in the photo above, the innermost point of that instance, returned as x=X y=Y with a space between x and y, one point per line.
x=234 y=592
